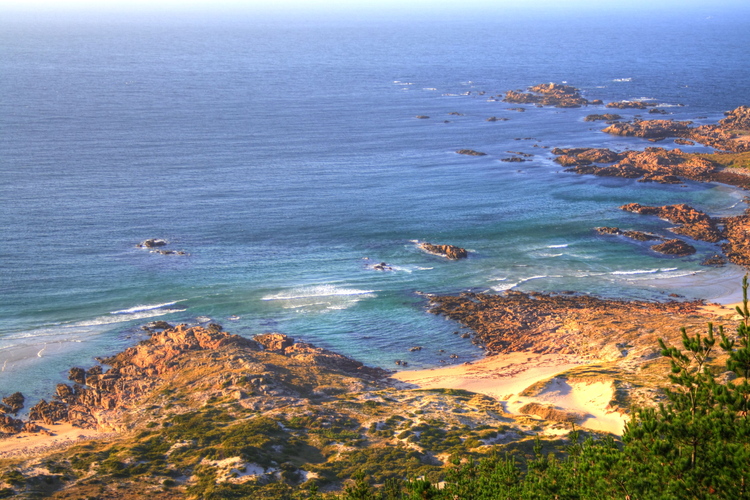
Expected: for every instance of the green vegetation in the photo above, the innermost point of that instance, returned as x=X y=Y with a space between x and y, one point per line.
x=730 y=160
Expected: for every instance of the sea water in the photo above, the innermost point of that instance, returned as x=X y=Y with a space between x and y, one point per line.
x=285 y=158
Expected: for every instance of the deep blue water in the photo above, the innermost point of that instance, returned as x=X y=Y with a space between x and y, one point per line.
x=281 y=155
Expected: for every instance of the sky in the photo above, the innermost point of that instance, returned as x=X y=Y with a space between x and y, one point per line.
x=416 y=6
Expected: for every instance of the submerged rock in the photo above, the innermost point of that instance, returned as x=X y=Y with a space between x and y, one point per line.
x=470 y=152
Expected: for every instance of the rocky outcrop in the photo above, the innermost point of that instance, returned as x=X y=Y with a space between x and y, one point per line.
x=155 y=246
x=308 y=353
x=607 y=117
x=153 y=243
x=470 y=152
x=650 y=129
x=559 y=323
x=97 y=398
x=693 y=223
x=650 y=165
x=738 y=118
x=737 y=232
x=674 y=247
x=722 y=136
x=635 y=235
x=630 y=104
x=450 y=251
x=585 y=156
x=548 y=94
x=13 y=403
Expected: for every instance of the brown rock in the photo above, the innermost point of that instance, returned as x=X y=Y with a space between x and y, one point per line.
x=14 y=402
x=693 y=223
x=738 y=118
x=450 y=251
x=548 y=94
x=470 y=152
x=630 y=105
x=274 y=341
x=674 y=247
x=609 y=117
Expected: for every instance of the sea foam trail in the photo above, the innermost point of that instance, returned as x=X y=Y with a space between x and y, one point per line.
x=147 y=307
x=643 y=271
x=317 y=291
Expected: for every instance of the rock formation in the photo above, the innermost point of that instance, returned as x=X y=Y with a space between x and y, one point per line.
x=608 y=117
x=650 y=165
x=738 y=118
x=722 y=136
x=630 y=104
x=693 y=223
x=674 y=247
x=559 y=323
x=153 y=243
x=450 y=251
x=548 y=94
x=470 y=152
x=97 y=398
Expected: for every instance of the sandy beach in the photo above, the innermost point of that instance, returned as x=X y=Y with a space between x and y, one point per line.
x=505 y=377
x=57 y=436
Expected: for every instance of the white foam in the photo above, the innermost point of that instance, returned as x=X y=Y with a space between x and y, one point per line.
x=147 y=307
x=549 y=255
x=622 y=80
x=122 y=318
x=558 y=246
x=530 y=278
x=429 y=88
x=667 y=275
x=317 y=291
x=502 y=288
x=644 y=271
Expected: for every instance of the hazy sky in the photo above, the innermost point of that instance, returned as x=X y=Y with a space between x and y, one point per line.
x=362 y=5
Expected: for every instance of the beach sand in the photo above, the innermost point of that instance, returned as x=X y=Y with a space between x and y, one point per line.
x=506 y=376
x=62 y=435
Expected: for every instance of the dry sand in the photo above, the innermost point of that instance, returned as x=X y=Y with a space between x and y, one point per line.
x=62 y=435
x=505 y=376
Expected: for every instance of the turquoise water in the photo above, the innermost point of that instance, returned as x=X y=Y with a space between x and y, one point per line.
x=286 y=159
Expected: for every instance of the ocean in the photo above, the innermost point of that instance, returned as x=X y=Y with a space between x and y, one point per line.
x=285 y=158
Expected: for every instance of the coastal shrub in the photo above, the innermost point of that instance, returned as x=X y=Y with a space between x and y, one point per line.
x=14 y=478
